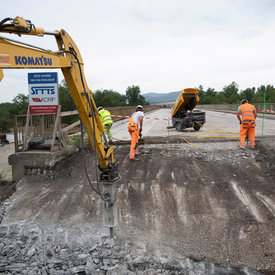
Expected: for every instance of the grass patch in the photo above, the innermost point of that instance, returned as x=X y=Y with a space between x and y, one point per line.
x=75 y=141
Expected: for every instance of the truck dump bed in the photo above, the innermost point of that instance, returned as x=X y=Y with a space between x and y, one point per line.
x=183 y=115
x=187 y=100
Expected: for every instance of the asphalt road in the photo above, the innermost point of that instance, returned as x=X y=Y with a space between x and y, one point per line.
x=156 y=123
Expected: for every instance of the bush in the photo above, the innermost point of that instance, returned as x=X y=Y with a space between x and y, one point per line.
x=75 y=141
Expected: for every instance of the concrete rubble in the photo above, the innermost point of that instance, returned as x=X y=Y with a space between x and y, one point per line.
x=28 y=249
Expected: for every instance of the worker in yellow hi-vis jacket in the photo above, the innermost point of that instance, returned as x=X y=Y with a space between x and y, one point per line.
x=107 y=122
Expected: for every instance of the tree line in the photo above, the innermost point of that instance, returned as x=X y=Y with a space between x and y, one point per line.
x=104 y=98
x=231 y=94
x=19 y=106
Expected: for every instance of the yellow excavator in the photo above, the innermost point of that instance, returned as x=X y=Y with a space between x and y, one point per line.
x=16 y=55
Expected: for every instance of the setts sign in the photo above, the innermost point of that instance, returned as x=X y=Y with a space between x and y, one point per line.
x=43 y=93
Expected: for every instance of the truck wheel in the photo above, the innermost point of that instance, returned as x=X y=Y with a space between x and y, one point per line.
x=179 y=127
x=196 y=127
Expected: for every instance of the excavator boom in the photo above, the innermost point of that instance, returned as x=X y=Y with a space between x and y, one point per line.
x=15 y=55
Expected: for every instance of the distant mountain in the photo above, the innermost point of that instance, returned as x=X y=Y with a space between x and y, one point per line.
x=154 y=98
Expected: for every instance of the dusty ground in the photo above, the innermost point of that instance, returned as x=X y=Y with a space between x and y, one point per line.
x=205 y=203
x=214 y=205
x=217 y=206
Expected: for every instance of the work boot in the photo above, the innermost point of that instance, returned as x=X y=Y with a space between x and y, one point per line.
x=242 y=145
x=134 y=160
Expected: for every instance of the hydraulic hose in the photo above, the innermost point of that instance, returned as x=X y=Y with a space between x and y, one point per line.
x=199 y=136
x=5 y=20
x=82 y=136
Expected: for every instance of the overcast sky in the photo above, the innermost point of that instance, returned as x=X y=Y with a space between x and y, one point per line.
x=160 y=45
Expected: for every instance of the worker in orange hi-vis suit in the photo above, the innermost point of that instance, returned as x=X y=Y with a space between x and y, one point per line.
x=135 y=129
x=248 y=113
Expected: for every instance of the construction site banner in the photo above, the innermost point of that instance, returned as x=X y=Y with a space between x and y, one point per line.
x=43 y=93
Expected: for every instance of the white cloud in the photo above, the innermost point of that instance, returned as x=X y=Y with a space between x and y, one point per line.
x=160 y=45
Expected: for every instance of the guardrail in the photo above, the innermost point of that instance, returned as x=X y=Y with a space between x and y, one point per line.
x=129 y=110
x=234 y=107
x=41 y=125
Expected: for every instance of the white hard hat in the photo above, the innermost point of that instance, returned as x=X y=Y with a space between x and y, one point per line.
x=139 y=107
x=99 y=108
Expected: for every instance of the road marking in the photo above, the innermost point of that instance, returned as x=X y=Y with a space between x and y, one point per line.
x=247 y=201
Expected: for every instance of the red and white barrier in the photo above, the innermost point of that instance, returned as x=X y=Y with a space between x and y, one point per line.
x=266 y=111
x=156 y=118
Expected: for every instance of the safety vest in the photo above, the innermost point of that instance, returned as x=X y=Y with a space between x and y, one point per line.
x=105 y=117
x=247 y=112
x=131 y=122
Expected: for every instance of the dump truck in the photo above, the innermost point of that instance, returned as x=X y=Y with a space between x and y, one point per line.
x=183 y=113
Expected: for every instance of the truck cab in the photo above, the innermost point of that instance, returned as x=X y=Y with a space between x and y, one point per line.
x=183 y=113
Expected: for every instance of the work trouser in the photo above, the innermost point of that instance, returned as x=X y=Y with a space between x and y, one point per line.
x=247 y=127
x=134 y=132
x=107 y=131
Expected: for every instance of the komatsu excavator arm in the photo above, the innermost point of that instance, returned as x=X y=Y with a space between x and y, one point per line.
x=16 y=55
